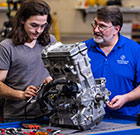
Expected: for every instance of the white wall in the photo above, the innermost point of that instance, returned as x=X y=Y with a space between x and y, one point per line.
x=131 y=3
x=69 y=19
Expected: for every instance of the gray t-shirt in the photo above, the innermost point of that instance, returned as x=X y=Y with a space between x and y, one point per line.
x=25 y=67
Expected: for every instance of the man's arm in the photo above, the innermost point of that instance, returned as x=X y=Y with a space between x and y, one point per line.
x=8 y=92
x=118 y=101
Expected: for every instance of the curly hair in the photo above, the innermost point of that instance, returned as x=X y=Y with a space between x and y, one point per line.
x=27 y=9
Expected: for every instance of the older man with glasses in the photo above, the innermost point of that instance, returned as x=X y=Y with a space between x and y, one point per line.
x=116 y=58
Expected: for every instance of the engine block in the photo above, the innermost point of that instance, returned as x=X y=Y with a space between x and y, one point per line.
x=82 y=98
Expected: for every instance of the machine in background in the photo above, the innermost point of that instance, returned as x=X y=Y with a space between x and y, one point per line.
x=12 y=7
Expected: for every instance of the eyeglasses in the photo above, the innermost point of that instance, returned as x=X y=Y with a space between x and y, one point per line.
x=36 y=26
x=101 y=27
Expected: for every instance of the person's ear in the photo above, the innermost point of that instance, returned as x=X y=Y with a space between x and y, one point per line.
x=117 y=29
x=22 y=20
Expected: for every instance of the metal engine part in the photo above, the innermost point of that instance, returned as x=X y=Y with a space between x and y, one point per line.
x=82 y=98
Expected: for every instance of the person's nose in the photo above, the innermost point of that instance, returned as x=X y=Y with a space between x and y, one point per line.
x=39 y=29
x=96 y=29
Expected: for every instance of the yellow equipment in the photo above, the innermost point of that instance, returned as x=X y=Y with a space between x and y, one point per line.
x=55 y=27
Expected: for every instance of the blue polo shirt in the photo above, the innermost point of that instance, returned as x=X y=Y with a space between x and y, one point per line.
x=121 y=68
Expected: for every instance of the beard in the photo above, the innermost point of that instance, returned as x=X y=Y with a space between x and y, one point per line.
x=100 y=38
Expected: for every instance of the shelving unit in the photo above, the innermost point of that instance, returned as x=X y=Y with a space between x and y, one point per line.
x=92 y=9
x=3 y=9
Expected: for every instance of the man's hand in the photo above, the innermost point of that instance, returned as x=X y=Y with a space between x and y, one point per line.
x=29 y=92
x=117 y=102
x=48 y=79
x=32 y=90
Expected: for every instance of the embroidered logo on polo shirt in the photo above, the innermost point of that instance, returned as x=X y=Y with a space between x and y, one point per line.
x=122 y=60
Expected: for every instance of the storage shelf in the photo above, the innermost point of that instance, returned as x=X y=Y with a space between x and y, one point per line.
x=3 y=9
x=92 y=9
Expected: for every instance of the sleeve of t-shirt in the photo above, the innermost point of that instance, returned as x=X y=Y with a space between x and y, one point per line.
x=4 y=58
x=52 y=39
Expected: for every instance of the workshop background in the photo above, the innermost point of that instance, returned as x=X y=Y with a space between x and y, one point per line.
x=72 y=18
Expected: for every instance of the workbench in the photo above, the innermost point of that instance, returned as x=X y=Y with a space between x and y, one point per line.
x=118 y=125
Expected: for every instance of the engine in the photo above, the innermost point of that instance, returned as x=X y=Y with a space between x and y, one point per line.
x=74 y=98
